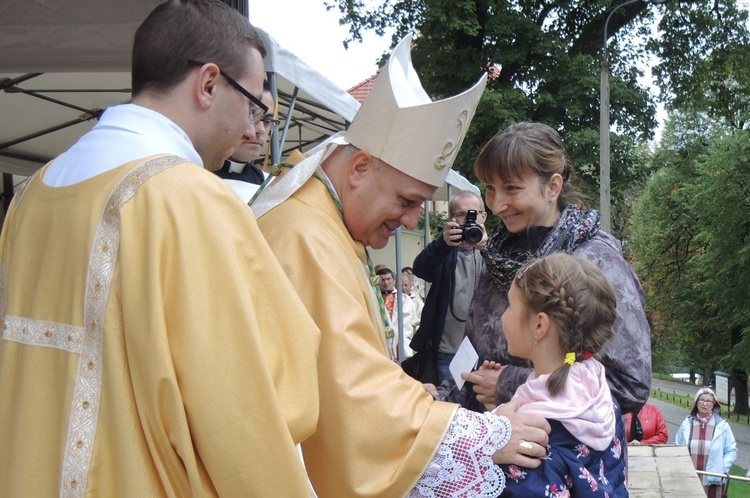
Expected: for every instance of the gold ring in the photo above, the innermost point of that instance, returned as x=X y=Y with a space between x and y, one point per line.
x=525 y=448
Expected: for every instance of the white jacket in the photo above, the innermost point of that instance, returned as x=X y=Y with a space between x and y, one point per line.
x=722 y=453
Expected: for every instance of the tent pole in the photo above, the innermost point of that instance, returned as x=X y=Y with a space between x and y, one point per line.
x=399 y=300
x=7 y=192
x=288 y=119
x=426 y=234
x=426 y=228
x=275 y=145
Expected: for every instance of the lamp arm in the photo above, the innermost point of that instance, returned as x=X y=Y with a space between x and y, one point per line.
x=606 y=24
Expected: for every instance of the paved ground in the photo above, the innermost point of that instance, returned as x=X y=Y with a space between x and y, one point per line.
x=674 y=415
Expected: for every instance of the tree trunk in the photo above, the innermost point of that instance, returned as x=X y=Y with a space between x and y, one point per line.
x=739 y=380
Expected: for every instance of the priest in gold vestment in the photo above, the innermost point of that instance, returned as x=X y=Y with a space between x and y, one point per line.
x=380 y=434
x=150 y=343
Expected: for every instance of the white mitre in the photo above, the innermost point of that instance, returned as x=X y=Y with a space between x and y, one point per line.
x=399 y=124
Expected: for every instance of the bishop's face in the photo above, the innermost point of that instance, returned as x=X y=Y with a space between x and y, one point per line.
x=382 y=200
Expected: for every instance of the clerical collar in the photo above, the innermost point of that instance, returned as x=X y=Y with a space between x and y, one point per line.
x=235 y=167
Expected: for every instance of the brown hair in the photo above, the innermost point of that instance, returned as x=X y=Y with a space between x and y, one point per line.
x=525 y=148
x=578 y=297
x=178 y=30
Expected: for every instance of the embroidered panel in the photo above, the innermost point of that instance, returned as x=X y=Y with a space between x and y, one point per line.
x=463 y=463
x=84 y=411
x=41 y=333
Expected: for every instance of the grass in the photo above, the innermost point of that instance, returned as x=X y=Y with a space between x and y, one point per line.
x=738 y=489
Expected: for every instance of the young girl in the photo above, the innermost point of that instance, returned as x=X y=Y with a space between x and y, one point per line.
x=561 y=311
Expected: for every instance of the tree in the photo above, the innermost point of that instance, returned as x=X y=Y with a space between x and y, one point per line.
x=703 y=52
x=691 y=238
x=664 y=240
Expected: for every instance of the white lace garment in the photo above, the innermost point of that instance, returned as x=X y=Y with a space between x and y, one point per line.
x=463 y=466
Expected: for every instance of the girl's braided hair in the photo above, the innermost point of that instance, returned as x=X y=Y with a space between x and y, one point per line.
x=577 y=296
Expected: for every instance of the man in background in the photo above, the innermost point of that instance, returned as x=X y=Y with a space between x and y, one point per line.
x=451 y=264
x=405 y=313
x=240 y=170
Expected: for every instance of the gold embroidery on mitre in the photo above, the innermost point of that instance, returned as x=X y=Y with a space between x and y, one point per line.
x=451 y=147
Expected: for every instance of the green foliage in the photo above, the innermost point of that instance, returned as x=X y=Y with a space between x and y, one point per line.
x=437 y=222
x=704 y=50
x=690 y=235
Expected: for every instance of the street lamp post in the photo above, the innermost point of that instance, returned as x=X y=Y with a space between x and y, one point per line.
x=604 y=167
x=604 y=193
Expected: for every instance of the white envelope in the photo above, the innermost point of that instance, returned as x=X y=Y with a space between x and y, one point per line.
x=465 y=360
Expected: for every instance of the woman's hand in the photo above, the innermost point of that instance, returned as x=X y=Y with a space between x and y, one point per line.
x=485 y=381
x=431 y=390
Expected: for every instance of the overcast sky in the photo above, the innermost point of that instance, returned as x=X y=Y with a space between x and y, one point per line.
x=306 y=29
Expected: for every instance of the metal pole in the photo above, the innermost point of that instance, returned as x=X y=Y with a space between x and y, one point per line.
x=275 y=143
x=399 y=300
x=604 y=197
x=604 y=155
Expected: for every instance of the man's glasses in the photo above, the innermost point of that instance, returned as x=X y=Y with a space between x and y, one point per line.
x=269 y=123
x=258 y=109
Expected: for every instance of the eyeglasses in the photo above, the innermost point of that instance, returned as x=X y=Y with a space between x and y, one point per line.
x=258 y=109
x=705 y=401
x=462 y=214
x=269 y=123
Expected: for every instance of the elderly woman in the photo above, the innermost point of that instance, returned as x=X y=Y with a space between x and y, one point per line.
x=709 y=440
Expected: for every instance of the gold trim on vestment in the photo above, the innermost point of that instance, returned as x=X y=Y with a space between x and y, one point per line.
x=87 y=391
x=42 y=333
x=86 y=340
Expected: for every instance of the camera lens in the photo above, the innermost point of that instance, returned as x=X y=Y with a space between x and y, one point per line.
x=472 y=234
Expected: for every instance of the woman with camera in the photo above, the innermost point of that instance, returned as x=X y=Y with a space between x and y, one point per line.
x=529 y=179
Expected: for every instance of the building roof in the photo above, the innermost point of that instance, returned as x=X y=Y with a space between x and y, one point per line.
x=361 y=90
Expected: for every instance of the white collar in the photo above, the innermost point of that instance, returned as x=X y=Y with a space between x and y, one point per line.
x=124 y=133
x=235 y=167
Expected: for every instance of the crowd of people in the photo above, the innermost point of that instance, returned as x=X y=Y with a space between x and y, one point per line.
x=178 y=342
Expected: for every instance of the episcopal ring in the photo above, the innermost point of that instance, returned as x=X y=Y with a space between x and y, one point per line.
x=525 y=448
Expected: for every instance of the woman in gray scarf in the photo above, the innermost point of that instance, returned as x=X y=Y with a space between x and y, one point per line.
x=529 y=177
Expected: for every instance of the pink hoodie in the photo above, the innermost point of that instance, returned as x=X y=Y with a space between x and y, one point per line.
x=584 y=406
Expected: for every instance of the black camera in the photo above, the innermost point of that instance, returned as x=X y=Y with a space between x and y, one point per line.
x=471 y=232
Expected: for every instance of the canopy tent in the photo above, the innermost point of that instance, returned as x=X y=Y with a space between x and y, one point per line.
x=64 y=62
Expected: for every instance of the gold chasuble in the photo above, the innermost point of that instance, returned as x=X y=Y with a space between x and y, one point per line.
x=378 y=429
x=151 y=345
